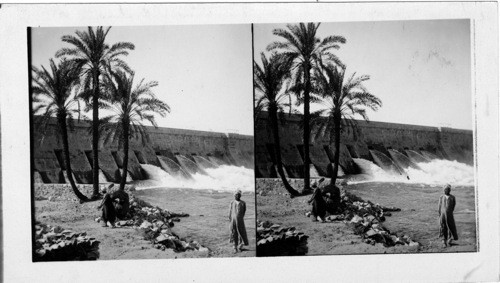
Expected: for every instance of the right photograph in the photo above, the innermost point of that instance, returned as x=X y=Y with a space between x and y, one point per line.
x=364 y=138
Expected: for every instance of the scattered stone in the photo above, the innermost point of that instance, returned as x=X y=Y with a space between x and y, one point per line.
x=413 y=244
x=124 y=223
x=63 y=245
x=365 y=217
x=203 y=249
x=370 y=218
x=370 y=233
x=266 y=224
x=356 y=219
x=365 y=220
x=146 y=225
x=57 y=229
x=274 y=240
x=155 y=224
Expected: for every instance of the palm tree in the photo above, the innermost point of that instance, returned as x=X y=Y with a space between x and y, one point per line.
x=343 y=99
x=95 y=58
x=268 y=81
x=131 y=105
x=303 y=47
x=53 y=95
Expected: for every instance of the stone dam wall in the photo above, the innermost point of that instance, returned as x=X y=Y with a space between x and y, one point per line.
x=361 y=142
x=171 y=149
x=175 y=149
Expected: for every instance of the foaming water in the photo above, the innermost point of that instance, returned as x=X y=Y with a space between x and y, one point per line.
x=222 y=178
x=371 y=172
x=439 y=172
x=436 y=172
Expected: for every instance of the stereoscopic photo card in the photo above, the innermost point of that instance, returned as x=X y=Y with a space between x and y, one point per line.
x=250 y=142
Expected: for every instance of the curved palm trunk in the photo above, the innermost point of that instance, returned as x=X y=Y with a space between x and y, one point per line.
x=95 y=136
x=69 y=172
x=125 y=155
x=277 y=150
x=336 y=157
x=306 y=133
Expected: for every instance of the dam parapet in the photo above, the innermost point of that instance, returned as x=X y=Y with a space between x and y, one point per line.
x=387 y=140
x=168 y=148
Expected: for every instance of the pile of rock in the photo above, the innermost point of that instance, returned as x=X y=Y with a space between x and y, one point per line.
x=166 y=240
x=372 y=231
x=155 y=224
x=58 y=244
x=362 y=208
x=365 y=218
x=141 y=212
x=274 y=240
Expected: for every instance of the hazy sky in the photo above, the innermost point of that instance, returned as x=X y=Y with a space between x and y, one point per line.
x=204 y=72
x=420 y=69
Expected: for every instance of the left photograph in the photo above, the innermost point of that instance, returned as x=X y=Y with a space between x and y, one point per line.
x=142 y=142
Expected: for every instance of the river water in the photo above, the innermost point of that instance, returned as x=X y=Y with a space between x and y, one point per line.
x=418 y=196
x=416 y=190
x=205 y=197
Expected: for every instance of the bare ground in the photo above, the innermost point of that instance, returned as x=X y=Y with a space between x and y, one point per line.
x=210 y=230
x=418 y=218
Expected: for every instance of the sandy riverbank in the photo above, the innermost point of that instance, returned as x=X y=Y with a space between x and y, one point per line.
x=417 y=218
x=207 y=223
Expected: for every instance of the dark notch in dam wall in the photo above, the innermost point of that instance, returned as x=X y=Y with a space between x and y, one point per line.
x=167 y=148
x=369 y=141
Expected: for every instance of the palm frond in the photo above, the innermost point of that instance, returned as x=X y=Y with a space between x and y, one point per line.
x=119 y=47
x=80 y=45
x=289 y=37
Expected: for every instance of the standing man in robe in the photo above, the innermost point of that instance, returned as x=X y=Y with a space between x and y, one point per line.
x=447 y=230
x=237 y=228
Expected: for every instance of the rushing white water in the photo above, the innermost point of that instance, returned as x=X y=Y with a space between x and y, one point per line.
x=222 y=178
x=435 y=172
x=371 y=172
x=439 y=172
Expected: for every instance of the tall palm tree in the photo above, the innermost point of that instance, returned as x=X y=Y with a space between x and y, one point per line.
x=269 y=81
x=53 y=95
x=343 y=99
x=303 y=47
x=131 y=105
x=95 y=57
